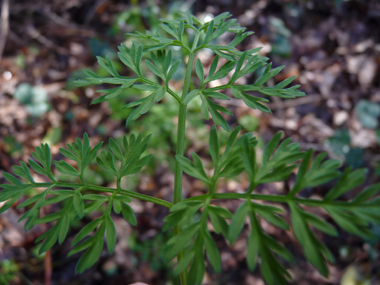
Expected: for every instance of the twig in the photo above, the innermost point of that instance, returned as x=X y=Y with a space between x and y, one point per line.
x=24 y=279
x=15 y=38
x=44 y=40
x=92 y=11
x=296 y=102
x=58 y=20
x=313 y=98
x=4 y=25
x=47 y=266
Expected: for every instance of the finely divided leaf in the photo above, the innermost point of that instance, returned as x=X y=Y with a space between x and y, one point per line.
x=237 y=222
x=195 y=170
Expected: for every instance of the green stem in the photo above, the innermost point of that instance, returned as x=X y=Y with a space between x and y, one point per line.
x=183 y=275
x=133 y=195
x=146 y=198
x=118 y=184
x=181 y=132
x=277 y=198
x=203 y=219
x=177 y=197
x=81 y=178
x=171 y=92
x=256 y=227
x=262 y=197
x=252 y=187
x=109 y=190
x=218 y=87
x=182 y=123
x=179 y=44
x=213 y=180
x=180 y=150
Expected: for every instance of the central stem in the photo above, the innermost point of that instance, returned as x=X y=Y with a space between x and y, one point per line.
x=181 y=132
x=181 y=142
x=180 y=150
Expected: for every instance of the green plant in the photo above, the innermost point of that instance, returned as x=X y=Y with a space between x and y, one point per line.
x=34 y=98
x=8 y=271
x=189 y=218
x=340 y=146
x=368 y=114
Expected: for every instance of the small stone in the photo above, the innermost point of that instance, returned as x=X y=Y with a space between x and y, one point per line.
x=340 y=118
x=364 y=138
x=291 y=124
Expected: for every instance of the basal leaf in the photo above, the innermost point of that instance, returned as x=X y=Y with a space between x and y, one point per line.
x=63 y=228
x=173 y=69
x=197 y=269
x=320 y=224
x=219 y=223
x=191 y=169
x=128 y=214
x=184 y=262
x=50 y=239
x=194 y=93
x=93 y=252
x=209 y=32
x=110 y=233
x=214 y=145
x=220 y=211
x=199 y=70
x=178 y=242
x=252 y=250
x=86 y=230
x=237 y=222
x=154 y=69
x=115 y=148
x=212 y=252
x=78 y=204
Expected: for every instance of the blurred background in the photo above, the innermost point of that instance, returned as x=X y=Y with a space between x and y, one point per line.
x=333 y=47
